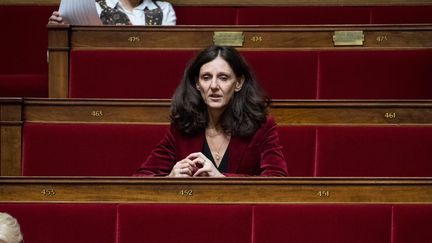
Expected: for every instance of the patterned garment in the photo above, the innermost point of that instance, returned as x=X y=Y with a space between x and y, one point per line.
x=113 y=16
x=153 y=17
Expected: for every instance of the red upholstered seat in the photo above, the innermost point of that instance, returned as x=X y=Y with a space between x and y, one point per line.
x=105 y=150
x=412 y=223
x=155 y=74
x=86 y=149
x=90 y=149
x=401 y=14
x=184 y=223
x=375 y=74
x=322 y=223
x=23 y=48
x=340 y=74
x=374 y=151
x=285 y=74
x=23 y=85
x=126 y=74
x=214 y=15
x=299 y=149
x=300 y=223
x=65 y=223
x=303 y=15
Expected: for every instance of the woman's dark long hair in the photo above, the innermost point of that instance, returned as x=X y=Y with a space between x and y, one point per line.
x=244 y=114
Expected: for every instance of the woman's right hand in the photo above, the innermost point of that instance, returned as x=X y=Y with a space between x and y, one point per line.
x=55 y=18
x=183 y=168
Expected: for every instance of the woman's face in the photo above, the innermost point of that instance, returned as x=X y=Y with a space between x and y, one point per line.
x=217 y=83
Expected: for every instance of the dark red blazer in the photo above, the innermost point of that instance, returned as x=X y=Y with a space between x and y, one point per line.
x=257 y=155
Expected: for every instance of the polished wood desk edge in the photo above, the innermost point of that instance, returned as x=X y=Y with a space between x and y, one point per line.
x=264 y=28
x=218 y=181
x=156 y=111
x=274 y=103
x=254 y=190
x=65 y=38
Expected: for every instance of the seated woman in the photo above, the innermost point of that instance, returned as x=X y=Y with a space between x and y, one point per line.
x=219 y=123
x=130 y=12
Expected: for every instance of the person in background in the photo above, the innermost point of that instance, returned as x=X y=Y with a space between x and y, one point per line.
x=219 y=123
x=130 y=12
x=10 y=231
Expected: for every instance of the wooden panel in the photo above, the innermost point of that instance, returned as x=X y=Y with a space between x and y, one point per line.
x=63 y=38
x=10 y=149
x=10 y=136
x=345 y=112
x=286 y=113
x=293 y=112
x=10 y=109
x=58 y=61
x=274 y=37
x=252 y=2
x=97 y=111
x=228 y=190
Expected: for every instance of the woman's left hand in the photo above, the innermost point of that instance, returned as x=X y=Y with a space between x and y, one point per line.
x=207 y=167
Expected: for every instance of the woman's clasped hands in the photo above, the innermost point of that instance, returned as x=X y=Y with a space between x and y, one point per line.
x=195 y=165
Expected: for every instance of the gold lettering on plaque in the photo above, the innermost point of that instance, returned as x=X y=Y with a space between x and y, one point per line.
x=186 y=192
x=324 y=193
x=48 y=192
x=257 y=38
x=348 y=38
x=390 y=115
x=228 y=38
x=97 y=113
x=134 y=39
x=382 y=38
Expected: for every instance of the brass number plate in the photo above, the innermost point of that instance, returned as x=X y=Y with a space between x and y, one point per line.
x=228 y=38
x=348 y=38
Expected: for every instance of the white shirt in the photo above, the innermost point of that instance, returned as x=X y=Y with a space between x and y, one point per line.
x=137 y=17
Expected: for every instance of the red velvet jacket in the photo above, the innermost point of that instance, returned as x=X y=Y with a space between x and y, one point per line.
x=257 y=155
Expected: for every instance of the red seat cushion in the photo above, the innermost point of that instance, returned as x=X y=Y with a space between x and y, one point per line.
x=401 y=14
x=412 y=223
x=214 y=15
x=24 y=41
x=303 y=15
x=184 y=223
x=285 y=74
x=87 y=149
x=375 y=75
x=144 y=74
x=299 y=149
x=24 y=85
x=374 y=151
x=126 y=74
x=322 y=223
x=66 y=223
x=23 y=48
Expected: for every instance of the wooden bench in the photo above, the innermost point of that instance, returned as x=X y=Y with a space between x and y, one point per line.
x=299 y=62
x=24 y=72
x=112 y=137
x=234 y=210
